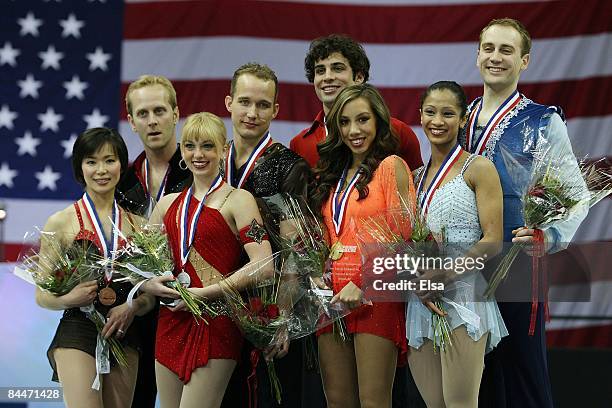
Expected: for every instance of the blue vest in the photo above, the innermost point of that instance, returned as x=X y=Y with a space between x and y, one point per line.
x=518 y=134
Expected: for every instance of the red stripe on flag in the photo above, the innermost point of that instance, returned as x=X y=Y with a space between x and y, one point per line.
x=578 y=98
x=593 y=336
x=370 y=24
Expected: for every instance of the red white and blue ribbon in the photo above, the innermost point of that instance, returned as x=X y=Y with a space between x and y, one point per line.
x=339 y=202
x=450 y=159
x=187 y=226
x=504 y=109
x=108 y=246
x=162 y=186
x=263 y=144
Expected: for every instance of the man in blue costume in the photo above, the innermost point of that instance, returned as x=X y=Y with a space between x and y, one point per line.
x=516 y=372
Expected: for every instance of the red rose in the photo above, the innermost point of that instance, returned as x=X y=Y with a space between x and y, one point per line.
x=272 y=311
x=537 y=191
x=255 y=305
x=59 y=274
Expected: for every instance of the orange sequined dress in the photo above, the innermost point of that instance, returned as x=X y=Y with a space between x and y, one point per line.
x=384 y=319
x=182 y=345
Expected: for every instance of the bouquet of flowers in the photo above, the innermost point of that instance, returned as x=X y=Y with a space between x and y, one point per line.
x=147 y=254
x=257 y=312
x=405 y=231
x=57 y=269
x=550 y=194
x=304 y=258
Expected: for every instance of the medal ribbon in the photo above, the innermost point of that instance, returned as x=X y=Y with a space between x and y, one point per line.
x=263 y=144
x=187 y=227
x=108 y=246
x=501 y=112
x=339 y=203
x=162 y=186
x=450 y=159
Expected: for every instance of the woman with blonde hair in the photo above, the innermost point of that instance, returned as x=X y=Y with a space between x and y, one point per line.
x=209 y=224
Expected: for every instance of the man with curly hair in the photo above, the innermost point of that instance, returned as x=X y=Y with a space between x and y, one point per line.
x=333 y=63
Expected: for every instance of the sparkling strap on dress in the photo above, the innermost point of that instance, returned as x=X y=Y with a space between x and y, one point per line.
x=468 y=162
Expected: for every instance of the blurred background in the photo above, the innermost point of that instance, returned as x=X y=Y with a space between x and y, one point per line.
x=65 y=66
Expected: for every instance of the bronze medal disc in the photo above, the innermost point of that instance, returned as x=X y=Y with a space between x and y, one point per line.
x=336 y=251
x=107 y=296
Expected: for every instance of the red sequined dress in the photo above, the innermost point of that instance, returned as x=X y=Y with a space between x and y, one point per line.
x=182 y=345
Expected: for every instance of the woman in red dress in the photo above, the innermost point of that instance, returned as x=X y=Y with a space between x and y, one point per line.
x=357 y=176
x=208 y=225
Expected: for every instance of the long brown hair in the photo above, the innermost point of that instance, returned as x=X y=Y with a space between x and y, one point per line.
x=334 y=155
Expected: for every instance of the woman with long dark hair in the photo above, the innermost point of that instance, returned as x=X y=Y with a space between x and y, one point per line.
x=358 y=176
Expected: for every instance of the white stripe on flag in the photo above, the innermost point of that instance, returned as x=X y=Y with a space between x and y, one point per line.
x=393 y=65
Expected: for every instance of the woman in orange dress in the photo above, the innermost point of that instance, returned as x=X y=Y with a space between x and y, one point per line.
x=358 y=177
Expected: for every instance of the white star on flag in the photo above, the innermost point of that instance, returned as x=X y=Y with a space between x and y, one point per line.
x=7 y=117
x=7 y=175
x=8 y=54
x=95 y=119
x=47 y=178
x=49 y=120
x=29 y=86
x=51 y=58
x=75 y=88
x=27 y=144
x=71 y=26
x=29 y=24
x=98 y=59
x=68 y=144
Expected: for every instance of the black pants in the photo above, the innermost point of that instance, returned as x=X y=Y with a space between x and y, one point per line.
x=300 y=380
x=516 y=371
x=146 y=388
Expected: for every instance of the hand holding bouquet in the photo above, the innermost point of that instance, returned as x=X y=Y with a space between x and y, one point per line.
x=405 y=231
x=256 y=310
x=550 y=195
x=147 y=255
x=58 y=269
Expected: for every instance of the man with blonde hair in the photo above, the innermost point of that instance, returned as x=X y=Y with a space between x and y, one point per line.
x=516 y=372
x=264 y=167
x=153 y=114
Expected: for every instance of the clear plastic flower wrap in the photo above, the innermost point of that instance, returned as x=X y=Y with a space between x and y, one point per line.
x=271 y=306
x=404 y=231
x=57 y=267
x=554 y=186
x=304 y=264
x=147 y=254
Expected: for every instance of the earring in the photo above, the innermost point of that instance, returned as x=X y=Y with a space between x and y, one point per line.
x=182 y=165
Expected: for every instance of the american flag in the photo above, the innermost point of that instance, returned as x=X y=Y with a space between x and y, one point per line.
x=65 y=66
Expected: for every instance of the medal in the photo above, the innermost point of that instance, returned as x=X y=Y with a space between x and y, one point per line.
x=263 y=144
x=339 y=202
x=450 y=159
x=478 y=146
x=147 y=189
x=336 y=251
x=187 y=227
x=184 y=279
x=108 y=246
x=107 y=296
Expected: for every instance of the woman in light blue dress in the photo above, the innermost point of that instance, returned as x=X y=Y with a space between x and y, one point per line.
x=461 y=199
